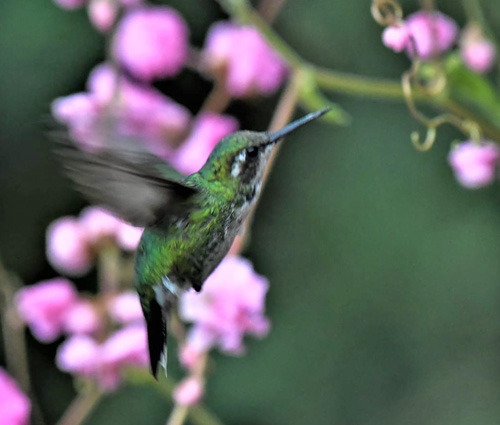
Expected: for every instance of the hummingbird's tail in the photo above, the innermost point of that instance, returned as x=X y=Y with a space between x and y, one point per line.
x=157 y=336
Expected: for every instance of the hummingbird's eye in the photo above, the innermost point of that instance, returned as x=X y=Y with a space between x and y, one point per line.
x=252 y=152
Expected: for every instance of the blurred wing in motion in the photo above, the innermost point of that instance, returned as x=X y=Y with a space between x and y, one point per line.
x=129 y=181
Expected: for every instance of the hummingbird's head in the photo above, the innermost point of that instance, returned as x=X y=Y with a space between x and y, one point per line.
x=241 y=157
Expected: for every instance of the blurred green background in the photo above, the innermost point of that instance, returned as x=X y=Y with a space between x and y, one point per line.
x=385 y=274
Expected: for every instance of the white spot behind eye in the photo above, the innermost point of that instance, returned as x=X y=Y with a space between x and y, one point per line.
x=236 y=168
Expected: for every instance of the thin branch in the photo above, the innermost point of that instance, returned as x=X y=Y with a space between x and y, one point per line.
x=269 y=9
x=80 y=408
x=16 y=353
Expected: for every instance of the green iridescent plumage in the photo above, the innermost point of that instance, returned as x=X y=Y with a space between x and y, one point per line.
x=190 y=222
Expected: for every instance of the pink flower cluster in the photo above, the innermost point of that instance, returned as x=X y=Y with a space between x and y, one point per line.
x=105 y=362
x=51 y=308
x=231 y=304
x=14 y=405
x=246 y=62
x=72 y=242
x=424 y=34
x=138 y=111
x=428 y=35
x=474 y=164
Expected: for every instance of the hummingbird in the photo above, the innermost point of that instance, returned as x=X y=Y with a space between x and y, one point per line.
x=189 y=222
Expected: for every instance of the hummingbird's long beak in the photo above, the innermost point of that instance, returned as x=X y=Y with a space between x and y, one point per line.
x=274 y=137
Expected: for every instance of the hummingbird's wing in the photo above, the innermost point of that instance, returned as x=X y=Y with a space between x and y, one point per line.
x=132 y=183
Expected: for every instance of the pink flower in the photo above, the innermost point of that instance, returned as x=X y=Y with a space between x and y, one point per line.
x=478 y=53
x=79 y=355
x=126 y=308
x=250 y=65
x=45 y=307
x=128 y=237
x=14 y=405
x=230 y=305
x=432 y=34
x=208 y=129
x=474 y=164
x=396 y=37
x=126 y=347
x=188 y=392
x=70 y=4
x=152 y=42
x=77 y=109
x=104 y=363
x=190 y=354
x=97 y=224
x=102 y=14
x=82 y=318
x=67 y=249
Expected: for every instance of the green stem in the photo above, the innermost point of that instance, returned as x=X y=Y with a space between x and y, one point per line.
x=80 y=408
x=474 y=12
x=109 y=268
x=490 y=130
x=351 y=84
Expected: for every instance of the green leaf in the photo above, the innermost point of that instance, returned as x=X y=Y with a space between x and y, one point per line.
x=471 y=88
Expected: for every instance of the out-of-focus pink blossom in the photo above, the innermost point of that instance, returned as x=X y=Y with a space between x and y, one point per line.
x=45 y=307
x=14 y=405
x=128 y=236
x=97 y=224
x=67 y=249
x=189 y=354
x=241 y=53
x=432 y=33
x=138 y=112
x=78 y=109
x=152 y=42
x=396 y=37
x=104 y=363
x=231 y=304
x=189 y=391
x=82 y=318
x=126 y=308
x=102 y=13
x=126 y=347
x=208 y=129
x=478 y=53
x=70 y=4
x=474 y=164
x=79 y=355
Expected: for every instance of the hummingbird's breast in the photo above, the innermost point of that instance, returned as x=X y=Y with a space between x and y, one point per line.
x=187 y=248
